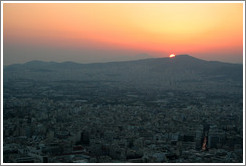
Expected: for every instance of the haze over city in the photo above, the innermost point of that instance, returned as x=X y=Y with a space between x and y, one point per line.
x=93 y=32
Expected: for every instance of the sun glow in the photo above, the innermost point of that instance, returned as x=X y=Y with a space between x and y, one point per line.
x=199 y=29
x=172 y=56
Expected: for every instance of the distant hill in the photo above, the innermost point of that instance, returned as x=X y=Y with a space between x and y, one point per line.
x=181 y=72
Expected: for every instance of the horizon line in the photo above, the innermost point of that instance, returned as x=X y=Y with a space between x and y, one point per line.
x=119 y=61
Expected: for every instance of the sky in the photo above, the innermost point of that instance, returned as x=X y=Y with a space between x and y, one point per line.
x=104 y=32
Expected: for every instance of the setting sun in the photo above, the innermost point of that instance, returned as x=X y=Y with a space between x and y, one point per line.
x=172 y=56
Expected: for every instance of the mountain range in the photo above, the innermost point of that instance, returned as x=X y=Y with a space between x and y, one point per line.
x=181 y=72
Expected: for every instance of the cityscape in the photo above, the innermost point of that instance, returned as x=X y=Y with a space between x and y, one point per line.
x=84 y=120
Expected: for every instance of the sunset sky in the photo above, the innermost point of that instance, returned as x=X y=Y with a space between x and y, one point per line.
x=102 y=32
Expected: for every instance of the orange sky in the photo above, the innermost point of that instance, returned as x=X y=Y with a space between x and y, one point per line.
x=203 y=30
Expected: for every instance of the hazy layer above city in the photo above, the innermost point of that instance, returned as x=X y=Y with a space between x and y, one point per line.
x=21 y=54
x=181 y=72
